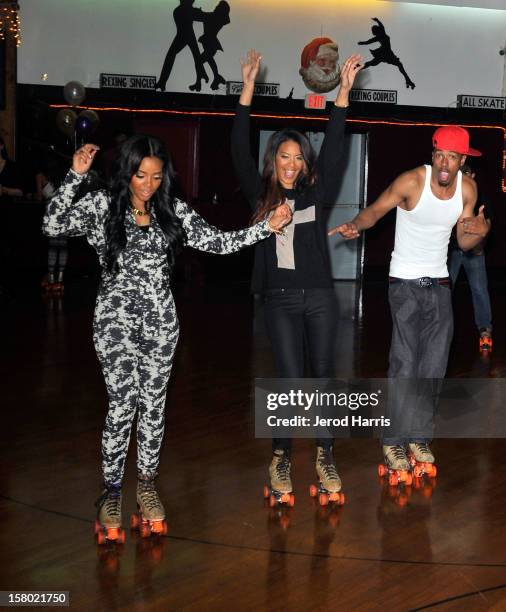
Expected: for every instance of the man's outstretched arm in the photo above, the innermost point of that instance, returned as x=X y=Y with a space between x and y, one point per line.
x=398 y=192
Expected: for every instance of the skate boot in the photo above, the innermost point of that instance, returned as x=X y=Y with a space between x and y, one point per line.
x=49 y=283
x=329 y=483
x=485 y=340
x=108 y=523
x=422 y=459
x=58 y=285
x=280 y=491
x=150 y=517
x=396 y=465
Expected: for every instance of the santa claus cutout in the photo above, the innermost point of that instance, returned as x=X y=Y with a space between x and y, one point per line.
x=319 y=68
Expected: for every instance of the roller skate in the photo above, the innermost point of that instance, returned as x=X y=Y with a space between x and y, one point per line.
x=485 y=340
x=57 y=287
x=421 y=459
x=280 y=491
x=108 y=523
x=329 y=483
x=48 y=283
x=150 y=517
x=396 y=465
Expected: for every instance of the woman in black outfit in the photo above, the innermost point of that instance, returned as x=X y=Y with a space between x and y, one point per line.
x=293 y=270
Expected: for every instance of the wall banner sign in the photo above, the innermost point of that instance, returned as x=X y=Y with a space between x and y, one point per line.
x=234 y=88
x=481 y=102
x=377 y=96
x=127 y=81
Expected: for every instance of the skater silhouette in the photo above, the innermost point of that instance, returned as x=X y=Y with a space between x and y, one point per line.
x=184 y=16
x=213 y=22
x=384 y=53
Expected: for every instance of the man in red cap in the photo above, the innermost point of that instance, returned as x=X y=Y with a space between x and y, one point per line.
x=430 y=201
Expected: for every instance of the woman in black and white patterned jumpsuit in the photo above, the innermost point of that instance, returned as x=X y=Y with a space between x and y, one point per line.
x=137 y=229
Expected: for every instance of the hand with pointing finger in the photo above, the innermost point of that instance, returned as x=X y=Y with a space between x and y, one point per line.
x=348 y=231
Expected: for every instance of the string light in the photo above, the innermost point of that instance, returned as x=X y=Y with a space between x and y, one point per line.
x=298 y=118
x=10 y=24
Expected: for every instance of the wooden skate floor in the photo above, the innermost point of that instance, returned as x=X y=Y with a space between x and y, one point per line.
x=441 y=548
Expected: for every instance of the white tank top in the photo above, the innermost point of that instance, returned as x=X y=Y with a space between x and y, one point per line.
x=422 y=234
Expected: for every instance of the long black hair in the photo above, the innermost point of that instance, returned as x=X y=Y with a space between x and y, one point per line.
x=132 y=152
x=272 y=191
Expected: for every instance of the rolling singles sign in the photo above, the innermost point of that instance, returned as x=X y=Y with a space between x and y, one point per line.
x=127 y=81
x=481 y=102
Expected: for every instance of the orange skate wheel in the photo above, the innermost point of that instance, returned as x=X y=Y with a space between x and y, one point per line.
x=291 y=500
x=313 y=490
x=393 y=480
x=338 y=498
x=121 y=536
x=145 y=530
x=323 y=499
x=134 y=521
x=266 y=492
x=101 y=537
x=272 y=501
x=165 y=528
x=157 y=526
x=433 y=471
x=418 y=471
x=408 y=481
x=97 y=527
x=382 y=470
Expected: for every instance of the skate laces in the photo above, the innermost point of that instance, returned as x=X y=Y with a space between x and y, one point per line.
x=397 y=452
x=283 y=467
x=327 y=465
x=148 y=495
x=422 y=447
x=110 y=500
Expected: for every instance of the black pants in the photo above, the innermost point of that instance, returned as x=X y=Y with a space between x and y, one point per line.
x=299 y=320
x=422 y=330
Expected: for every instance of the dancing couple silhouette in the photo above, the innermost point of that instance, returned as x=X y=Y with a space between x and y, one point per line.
x=184 y=16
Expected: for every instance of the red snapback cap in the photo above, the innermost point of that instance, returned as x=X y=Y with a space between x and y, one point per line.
x=454 y=138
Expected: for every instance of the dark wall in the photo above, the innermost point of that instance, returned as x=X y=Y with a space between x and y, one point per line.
x=200 y=146
x=394 y=149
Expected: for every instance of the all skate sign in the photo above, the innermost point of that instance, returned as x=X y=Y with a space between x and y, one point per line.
x=234 y=88
x=481 y=102
x=127 y=81
x=376 y=96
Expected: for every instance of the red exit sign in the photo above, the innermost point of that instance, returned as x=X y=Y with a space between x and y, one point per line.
x=315 y=101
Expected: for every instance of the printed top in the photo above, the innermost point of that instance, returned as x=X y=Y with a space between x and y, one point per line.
x=143 y=269
x=299 y=258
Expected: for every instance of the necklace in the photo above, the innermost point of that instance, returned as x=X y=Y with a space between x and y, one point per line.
x=140 y=213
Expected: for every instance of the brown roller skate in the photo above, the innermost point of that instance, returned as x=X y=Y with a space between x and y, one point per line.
x=150 y=517
x=329 y=483
x=280 y=491
x=422 y=459
x=485 y=340
x=108 y=524
x=396 y=465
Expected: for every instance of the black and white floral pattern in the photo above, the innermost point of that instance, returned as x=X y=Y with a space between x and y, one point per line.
x=135 y=327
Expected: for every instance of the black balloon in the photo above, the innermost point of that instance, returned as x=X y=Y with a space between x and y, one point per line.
x=92 y=116
x=66 y=121
x=83 y=124
x=74 y=93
